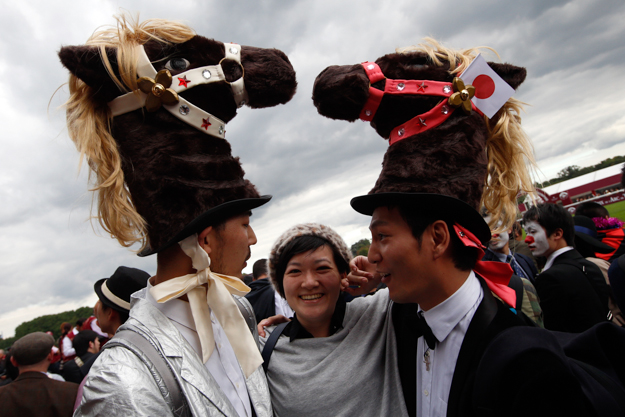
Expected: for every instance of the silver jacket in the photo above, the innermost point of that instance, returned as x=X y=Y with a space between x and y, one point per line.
x=121 y=384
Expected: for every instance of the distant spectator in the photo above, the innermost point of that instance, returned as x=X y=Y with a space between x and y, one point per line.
x=78 y=327
x=265 y=300
x=259 y=270
x=609 y=229
x=65 y=343
x=87 y=344
x=573 y=293
x=517 y=245
x=524 y=271
x=587 y=245
x=33 y=393
x=113 y=305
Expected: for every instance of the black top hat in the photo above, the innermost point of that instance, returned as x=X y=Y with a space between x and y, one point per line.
x=115 y=292
x=586 y=232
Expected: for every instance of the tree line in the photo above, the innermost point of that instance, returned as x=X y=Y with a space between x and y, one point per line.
x=50 y=322
x=575 y=171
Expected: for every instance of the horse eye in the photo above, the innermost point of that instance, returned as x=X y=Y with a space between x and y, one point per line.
x=177 y=64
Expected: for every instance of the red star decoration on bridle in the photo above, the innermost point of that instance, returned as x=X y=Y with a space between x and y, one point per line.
x=422 y=86
x=183 y=81
x=205 y=123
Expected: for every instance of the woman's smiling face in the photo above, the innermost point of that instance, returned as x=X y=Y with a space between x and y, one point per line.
x=312 y=284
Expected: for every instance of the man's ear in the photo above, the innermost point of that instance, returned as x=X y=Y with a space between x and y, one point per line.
x=204 y=239
x=14 y=362
x=440 y=238
x=557 y=234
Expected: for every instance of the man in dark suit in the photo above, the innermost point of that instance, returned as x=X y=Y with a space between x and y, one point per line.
x=573 y=293
x=87 y=345
x=33 y=393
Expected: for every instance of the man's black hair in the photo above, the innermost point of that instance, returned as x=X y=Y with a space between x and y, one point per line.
x=260 y=268
x=552 y=217
x=464 y=257
x=303 y=244
x=591 y=209
x=81 y=341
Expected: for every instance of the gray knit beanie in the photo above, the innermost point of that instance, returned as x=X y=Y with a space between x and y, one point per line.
x=307 y=229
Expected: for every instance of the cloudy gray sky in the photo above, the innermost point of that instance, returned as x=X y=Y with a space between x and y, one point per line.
x=49 y=254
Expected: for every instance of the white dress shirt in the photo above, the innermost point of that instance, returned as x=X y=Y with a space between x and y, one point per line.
x=222 y=364
x=554 y=255
x=68 y=349
x=449 y=322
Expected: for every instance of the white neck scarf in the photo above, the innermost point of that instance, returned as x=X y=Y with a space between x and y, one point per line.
x=219 y=298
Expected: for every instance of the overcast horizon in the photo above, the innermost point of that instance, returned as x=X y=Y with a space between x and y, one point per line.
x=50 y=256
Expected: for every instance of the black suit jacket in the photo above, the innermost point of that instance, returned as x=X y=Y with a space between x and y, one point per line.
x=572 y=301
x=490 y=319
x=34 y=394
x=262 y=298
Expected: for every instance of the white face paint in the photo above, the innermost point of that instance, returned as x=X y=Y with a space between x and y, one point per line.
x=498 y=241
x=536 y=239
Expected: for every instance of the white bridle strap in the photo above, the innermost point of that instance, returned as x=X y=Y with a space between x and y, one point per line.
x=185 y=110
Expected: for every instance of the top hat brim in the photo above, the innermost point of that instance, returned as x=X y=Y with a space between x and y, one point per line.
x=211 y=217
x=448 y=208
x=597 y=245
x=103 y=298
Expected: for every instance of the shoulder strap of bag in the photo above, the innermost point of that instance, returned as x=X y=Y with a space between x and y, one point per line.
x=248 y=314
x=139 y=344
x=271 y=343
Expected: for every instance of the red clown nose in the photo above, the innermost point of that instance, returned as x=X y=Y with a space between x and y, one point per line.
x=529 y=240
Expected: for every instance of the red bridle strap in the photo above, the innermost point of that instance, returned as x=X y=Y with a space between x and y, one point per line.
x=419 y=123
x=375 y=96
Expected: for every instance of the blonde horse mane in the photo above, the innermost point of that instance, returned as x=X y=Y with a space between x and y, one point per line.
x=88 y=122
x=509 y=150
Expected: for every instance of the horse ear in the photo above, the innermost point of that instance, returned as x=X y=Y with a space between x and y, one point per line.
x=85 y=63
x=511 y=74
x=340 y=92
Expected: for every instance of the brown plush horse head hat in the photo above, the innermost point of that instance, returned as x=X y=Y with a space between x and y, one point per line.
x=444 y=154
x=148 y=107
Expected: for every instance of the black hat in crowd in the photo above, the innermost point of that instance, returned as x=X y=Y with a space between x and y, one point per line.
x=586 y=234
x=115 y=292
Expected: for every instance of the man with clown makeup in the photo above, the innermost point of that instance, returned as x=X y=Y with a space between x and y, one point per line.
x=573 y=294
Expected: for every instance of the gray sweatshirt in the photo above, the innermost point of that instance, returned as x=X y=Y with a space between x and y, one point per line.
x=350 y=373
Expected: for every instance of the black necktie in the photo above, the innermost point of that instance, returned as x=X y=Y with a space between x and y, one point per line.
x=424 y=330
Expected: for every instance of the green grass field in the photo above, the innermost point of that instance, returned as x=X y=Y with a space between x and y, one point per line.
x=617 y=210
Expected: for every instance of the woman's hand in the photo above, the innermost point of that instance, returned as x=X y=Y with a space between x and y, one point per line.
x=270 y=321
x=362 y=278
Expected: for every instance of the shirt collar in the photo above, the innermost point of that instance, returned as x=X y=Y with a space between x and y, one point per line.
x=554 y=255
x=296 y=331
x=175 y=309
x=444 y=317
